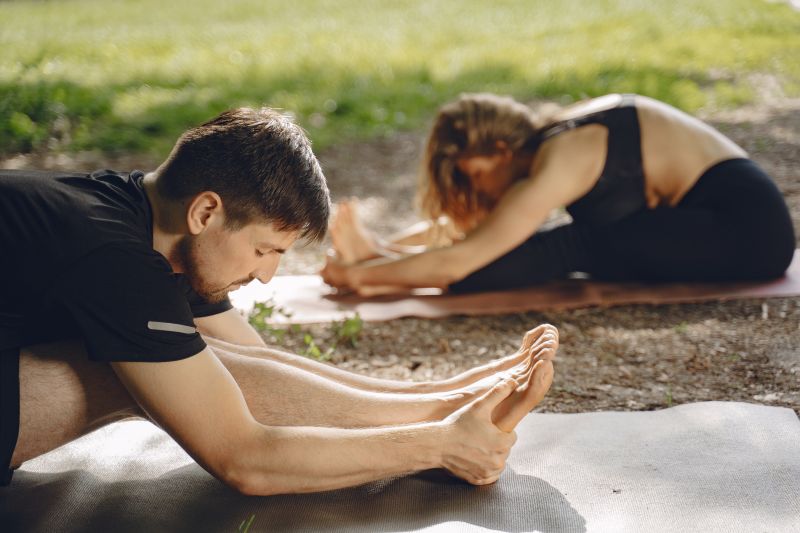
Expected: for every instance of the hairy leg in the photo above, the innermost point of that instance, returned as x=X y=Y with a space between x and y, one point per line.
x=538 y=335
x=64 y=396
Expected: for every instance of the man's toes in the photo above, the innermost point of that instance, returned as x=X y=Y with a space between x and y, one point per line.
x=521 y=372
x=548 y=340
x=544 y=351
x=531 y=336
x=539 y=333
x=551 y=331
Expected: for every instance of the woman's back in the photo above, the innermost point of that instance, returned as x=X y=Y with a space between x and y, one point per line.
x=676 y=148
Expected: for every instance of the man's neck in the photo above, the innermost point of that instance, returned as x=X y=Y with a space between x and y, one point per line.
x=166 y=226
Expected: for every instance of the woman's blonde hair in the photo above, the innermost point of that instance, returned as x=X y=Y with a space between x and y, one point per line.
x=472 y=125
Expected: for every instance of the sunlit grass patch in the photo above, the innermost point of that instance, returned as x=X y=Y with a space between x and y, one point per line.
x=130 y=76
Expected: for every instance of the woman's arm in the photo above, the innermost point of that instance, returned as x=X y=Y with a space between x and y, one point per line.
x=520 y=212
x=555 y=182
x=427 y=233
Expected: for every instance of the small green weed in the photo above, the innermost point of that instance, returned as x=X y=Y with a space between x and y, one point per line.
x=314 y=351
x=681 y=328
x=340 y=333
x=260 y=315
x=244 y=527
x=348 y=330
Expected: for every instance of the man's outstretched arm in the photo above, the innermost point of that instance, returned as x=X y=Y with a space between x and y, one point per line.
x=229 y=326
x=200 y=405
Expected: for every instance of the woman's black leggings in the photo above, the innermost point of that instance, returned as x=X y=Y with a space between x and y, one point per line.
x=732 y=225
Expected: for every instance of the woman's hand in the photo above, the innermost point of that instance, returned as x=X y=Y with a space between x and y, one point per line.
x=342 y=277
x=336 y=274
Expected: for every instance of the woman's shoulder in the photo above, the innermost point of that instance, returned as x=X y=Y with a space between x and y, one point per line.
x=588 y=107
x=570 y=162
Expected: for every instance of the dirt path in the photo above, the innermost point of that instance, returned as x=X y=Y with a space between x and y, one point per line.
x=626 y=358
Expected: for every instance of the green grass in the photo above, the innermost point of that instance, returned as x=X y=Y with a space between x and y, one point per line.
x=130 y=75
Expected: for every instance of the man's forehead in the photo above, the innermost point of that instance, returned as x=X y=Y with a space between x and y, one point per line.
x=268 y=235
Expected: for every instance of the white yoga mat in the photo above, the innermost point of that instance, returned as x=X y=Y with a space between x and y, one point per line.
x=705 y=467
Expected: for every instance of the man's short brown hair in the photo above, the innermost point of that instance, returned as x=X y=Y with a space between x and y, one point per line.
x=261 y=165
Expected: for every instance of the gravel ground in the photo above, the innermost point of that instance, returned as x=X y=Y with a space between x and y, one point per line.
x=637 y=357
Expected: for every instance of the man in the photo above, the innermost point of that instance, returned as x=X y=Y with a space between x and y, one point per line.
x=109 y=280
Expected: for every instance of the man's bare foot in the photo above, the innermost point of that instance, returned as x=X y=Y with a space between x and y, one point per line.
x=539 y=346
x=351 y=240
x=541 y=336
x=532 y=388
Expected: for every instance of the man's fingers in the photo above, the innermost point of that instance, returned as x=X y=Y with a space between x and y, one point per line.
x=495 y=395
x=486 y=481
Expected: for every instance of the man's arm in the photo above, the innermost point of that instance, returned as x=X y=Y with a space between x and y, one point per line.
x=229 y=326
x=199 y=404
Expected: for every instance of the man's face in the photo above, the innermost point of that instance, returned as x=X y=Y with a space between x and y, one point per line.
x=220 y=260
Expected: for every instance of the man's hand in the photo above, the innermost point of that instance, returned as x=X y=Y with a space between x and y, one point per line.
x=476 y=449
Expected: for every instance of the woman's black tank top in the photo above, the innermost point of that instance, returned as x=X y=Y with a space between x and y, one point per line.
x=619 y=191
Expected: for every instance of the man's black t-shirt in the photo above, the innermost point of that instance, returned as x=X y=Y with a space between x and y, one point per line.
x=77 y=261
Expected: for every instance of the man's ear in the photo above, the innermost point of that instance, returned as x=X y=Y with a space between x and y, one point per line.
x=503 y=150
x=202 y=211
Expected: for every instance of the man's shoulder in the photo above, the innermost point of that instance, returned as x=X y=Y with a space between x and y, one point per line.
x=8 y=173
x=52 y=221
x=76 y=208
x=29 y=180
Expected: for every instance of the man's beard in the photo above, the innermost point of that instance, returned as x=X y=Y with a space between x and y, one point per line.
x=189 y=259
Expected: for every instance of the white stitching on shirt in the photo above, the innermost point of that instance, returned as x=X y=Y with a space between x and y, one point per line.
x=168 y=326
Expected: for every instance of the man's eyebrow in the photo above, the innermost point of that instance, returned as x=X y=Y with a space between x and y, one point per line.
x=271 y=247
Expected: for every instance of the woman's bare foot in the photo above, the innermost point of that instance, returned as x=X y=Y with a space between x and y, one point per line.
x=351 y=240
x=532 y=388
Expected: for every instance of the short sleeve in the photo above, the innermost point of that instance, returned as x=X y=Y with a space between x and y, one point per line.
x=128 y=305
x=201 y=307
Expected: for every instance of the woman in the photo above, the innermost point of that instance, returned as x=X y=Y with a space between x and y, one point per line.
x=654 y=195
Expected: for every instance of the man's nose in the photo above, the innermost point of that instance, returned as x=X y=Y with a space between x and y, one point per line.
x=264 y=273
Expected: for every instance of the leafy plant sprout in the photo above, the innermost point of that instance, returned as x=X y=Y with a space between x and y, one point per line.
x=343 y=332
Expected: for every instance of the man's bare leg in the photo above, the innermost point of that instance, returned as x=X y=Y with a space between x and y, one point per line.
x=328 y=403
x=544 y=334
x=64 y=396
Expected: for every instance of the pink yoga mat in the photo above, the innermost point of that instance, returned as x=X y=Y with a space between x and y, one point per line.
x=309 y=300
